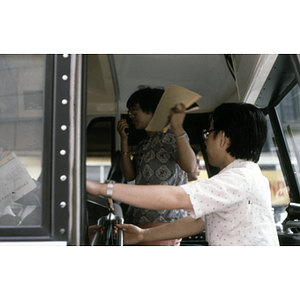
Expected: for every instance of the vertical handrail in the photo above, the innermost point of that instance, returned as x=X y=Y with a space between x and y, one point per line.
x=105 y=235
x=117 y=94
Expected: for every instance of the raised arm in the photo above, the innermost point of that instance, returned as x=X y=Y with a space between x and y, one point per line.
x=187 y=159
x=145 y=196
x=126 y=163
x=179 y=229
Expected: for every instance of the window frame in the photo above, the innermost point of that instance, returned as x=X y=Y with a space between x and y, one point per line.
x=55 y=191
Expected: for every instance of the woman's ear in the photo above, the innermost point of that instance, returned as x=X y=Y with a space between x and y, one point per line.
x=224 y=140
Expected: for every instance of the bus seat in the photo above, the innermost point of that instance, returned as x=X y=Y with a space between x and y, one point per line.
x=115 y=172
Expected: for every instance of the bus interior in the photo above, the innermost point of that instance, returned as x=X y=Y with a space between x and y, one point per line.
x=58 y=127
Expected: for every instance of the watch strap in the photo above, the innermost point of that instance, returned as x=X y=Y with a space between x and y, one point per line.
x=110 y=187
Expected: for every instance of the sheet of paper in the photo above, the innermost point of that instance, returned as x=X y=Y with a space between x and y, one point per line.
x=15 y=181
x=172 y=96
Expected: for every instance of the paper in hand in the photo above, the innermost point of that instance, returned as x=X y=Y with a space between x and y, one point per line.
x=173 y=95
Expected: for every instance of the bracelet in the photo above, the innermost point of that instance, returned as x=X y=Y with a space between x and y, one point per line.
x=110 y=187
x=125 y=153
x=181 y=136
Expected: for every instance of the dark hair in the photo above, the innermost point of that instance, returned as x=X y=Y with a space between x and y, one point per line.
x=245 y=125
x=147 y=98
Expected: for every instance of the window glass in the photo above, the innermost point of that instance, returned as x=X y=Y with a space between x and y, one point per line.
x=289 y=114
x=21 y=139
x=97 y=169
x=271 y=169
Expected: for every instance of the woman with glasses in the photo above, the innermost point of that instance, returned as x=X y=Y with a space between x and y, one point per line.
x=233 y=206
x=163 y=158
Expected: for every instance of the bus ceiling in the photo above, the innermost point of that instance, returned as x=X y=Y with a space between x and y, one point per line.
x=217 y=78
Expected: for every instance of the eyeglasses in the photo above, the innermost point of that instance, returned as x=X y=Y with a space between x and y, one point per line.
x=132 y=111
x=205 y=133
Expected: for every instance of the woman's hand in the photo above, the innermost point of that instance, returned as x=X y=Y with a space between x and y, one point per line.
x=122 y=125
x=177 y=116
x=131 y=234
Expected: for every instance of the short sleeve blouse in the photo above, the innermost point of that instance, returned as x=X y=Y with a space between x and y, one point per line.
x=156 y=163
x=236 y=206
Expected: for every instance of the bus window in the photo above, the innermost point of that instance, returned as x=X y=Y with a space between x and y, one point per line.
x=21 y=139
x=289 y=114
x=271 y=169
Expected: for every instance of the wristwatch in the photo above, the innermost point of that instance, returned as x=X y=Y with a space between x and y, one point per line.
x=110 y=187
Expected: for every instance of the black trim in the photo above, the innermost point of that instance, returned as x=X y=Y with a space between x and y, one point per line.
x=60 y=163
x=47 y=144
x=296 y=65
